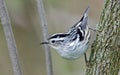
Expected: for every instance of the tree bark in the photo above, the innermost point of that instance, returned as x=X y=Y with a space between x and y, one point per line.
x=105 y=51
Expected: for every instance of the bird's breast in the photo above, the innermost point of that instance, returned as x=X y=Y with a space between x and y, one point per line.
x=73 y=50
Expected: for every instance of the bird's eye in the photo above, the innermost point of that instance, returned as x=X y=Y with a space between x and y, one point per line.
x=53 y=41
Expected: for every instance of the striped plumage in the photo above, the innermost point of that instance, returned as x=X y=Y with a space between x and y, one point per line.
x=74 y=43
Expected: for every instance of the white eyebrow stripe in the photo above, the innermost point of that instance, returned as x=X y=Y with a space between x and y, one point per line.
x=59 y=38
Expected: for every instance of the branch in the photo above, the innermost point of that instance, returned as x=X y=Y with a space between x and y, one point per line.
x=45 y=34
x=9 y=38
x=105 y=51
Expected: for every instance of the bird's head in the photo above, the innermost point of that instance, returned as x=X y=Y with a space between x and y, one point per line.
x=56 y=40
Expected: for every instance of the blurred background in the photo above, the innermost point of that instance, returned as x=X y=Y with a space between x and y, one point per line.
x=61 y=15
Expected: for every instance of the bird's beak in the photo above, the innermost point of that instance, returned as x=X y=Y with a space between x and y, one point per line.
x=44 y=43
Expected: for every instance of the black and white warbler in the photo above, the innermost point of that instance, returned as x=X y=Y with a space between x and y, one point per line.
x=74 y=43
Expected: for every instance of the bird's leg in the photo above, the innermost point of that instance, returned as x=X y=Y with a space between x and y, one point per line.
x=92 y=29
x=88 y=64
x=85 y=58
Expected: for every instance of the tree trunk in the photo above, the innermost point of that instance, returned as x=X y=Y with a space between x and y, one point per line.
x=105 y=51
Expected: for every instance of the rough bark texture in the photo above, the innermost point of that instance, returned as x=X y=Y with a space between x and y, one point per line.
x=105 y=51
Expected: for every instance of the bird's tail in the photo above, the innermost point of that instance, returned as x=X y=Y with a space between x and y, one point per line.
x=83 y=21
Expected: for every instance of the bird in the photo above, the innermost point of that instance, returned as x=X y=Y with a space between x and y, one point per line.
x=74 y=43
